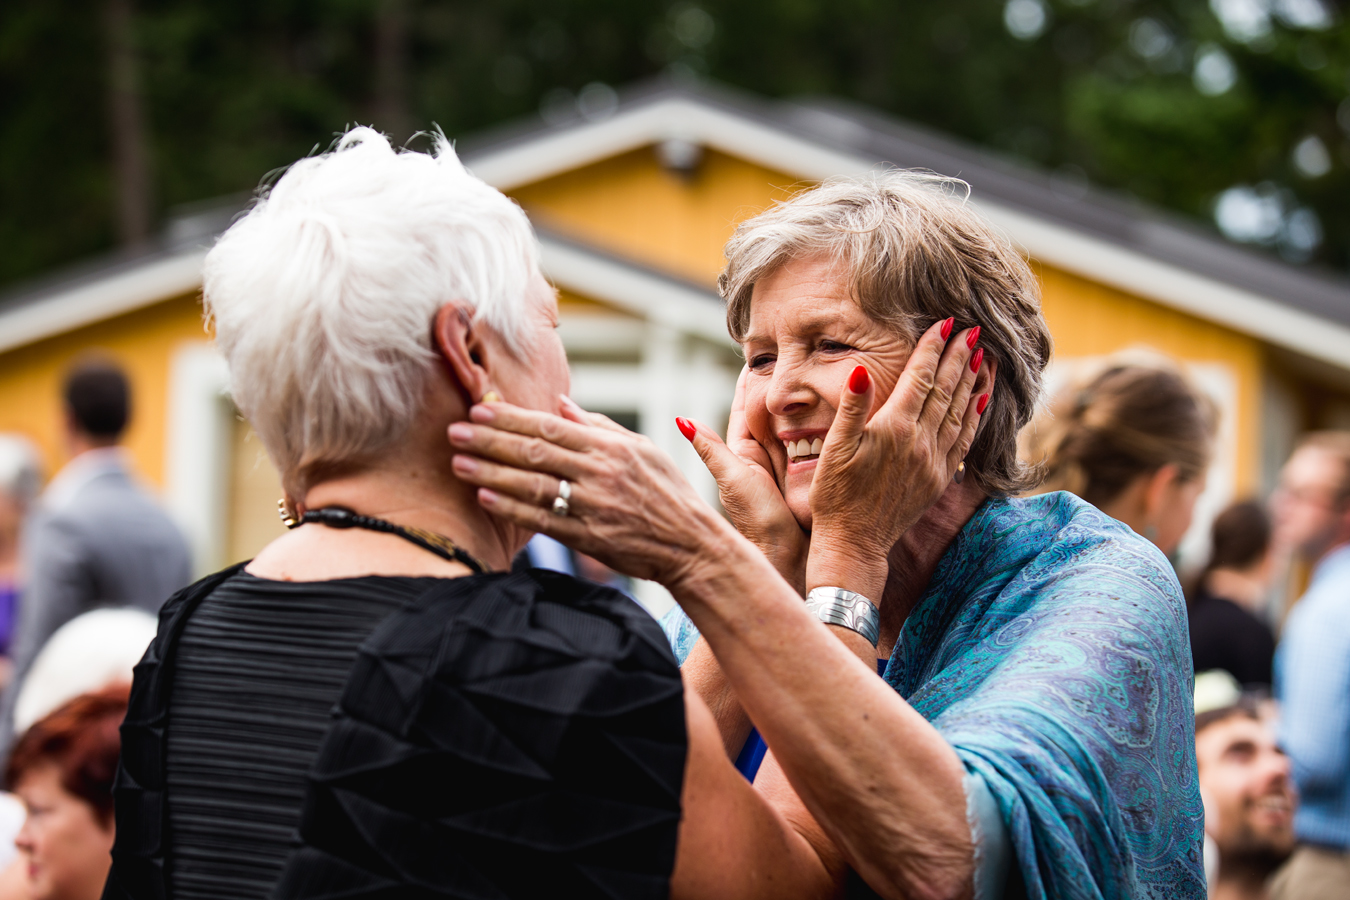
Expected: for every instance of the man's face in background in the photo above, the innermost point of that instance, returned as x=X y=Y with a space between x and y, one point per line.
x=1309 y=505
x=1246 y=777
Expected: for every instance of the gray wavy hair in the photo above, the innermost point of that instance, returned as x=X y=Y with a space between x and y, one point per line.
x=916 y=253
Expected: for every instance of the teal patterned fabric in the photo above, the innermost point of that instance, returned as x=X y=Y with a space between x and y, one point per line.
x=1051 y=651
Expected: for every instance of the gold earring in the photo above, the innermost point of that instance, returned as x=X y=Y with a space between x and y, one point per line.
x=491 y=397
x=287 y=517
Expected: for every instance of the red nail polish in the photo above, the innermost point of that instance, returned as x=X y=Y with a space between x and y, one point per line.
x=859 y=380
x=686 y=428
x=976 y=360
x=981 y=403
x=973 y=338
x=946 y=331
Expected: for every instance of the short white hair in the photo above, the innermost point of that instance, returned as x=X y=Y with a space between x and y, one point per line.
x=324 y=293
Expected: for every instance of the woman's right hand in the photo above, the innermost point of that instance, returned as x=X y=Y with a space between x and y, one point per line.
x=749 y=492
x=630 y=506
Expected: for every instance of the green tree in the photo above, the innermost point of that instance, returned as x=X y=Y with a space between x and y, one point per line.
x=1175 y=101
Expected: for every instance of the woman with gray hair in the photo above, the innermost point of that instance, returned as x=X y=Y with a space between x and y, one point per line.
x=1031 y=731
x=375 y=706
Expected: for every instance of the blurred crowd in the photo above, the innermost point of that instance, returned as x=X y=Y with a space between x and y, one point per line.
x=85 y=563
x=87 y=560
x=1269 y=617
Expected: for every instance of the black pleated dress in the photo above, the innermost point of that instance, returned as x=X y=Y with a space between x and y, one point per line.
x=497 y=736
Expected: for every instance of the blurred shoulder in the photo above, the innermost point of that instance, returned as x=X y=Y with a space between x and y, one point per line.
x=109 y=509
x=1324 y=609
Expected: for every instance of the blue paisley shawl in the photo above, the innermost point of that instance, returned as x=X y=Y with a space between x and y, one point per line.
x=1051 y=651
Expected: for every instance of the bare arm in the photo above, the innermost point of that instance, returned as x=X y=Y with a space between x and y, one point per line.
x=879 y=778
x=734 y=843
x=704 y=676
x=749 y=495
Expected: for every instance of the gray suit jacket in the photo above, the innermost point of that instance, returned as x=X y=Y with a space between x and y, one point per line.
x=106 y=543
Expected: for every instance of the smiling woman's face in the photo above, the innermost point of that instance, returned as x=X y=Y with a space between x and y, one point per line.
x=805 y=335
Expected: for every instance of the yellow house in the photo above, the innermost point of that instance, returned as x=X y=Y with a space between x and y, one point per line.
x=632 y=207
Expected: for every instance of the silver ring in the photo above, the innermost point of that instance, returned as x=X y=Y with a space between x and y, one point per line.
x=561 y=506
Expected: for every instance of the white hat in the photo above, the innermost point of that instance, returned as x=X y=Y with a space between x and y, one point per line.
x=87 y=653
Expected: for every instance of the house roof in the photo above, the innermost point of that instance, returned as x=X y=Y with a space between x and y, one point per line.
x=116 y=283
x=112 y=286
x=1086 y=231
x=1076 y=228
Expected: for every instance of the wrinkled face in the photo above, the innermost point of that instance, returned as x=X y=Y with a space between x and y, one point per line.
x=1307 y=510
x=64 y=844
x=806 y=335
x=539 y=375
x=1246 y=777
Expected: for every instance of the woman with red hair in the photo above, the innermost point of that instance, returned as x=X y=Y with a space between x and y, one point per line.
x=62 y=769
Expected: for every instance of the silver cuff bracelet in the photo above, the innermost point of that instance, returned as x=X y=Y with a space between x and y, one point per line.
x=836 y=606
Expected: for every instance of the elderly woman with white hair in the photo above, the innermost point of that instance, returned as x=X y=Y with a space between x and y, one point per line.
x=1031 y=731
x=375 y=706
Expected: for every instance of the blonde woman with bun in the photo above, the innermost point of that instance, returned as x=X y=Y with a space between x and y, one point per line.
x=1135 y=440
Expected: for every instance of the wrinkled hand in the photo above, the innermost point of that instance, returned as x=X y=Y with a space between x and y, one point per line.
x=750 y=493
x=902 y=460
x=631 y=507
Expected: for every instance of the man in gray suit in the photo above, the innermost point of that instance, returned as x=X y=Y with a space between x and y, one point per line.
x=95 y=538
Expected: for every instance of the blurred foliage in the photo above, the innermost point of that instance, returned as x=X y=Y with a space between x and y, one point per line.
x=1113 y=91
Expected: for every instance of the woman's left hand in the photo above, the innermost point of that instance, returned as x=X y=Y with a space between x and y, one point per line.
x=630 y=506
x=902 y=458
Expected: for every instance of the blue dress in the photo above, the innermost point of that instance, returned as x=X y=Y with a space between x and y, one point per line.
x=1051 y=651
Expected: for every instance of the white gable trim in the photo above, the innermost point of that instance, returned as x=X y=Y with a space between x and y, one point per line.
x=689 y=309
x=632 y=289
x=1100 y=260
x=102 y=298
x=197 y=451
x=1176 y=287
x=674 y=117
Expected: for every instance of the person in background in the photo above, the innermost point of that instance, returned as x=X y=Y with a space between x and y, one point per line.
x=1312 y=664
x=1226 y=632
x=1135 y=441
x=20 y=479
x=1250 y=798
x=95 y=539
x=543 y=552
x=62 y=769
